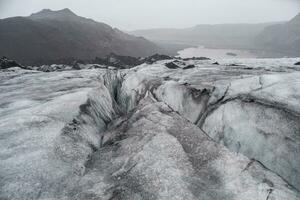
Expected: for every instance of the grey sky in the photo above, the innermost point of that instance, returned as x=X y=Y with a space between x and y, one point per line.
x=140 y=14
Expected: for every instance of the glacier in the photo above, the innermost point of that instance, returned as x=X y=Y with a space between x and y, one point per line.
x=228 y=131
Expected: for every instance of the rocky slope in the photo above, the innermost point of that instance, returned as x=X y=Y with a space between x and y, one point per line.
x=282 y=38
x=62 y=36
x=194 y=131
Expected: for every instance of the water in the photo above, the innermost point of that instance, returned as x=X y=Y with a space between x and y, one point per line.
x=214 y=53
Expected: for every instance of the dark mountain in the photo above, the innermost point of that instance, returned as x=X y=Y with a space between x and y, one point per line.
x=62 y=36
x=281 y=38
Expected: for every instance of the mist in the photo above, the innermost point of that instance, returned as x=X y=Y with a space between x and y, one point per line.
x=142 y=14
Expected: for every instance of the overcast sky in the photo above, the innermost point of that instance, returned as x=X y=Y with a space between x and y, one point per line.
x=141 y=14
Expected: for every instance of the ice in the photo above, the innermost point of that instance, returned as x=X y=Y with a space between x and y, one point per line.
x=150 y=132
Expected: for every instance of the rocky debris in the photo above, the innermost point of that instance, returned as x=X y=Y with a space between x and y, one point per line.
x=155 y=58
x=172 y=65
x=77 y=64
x=55 y=67
x=196 y=58
x=6 y=63
x=121 y=62
x=179 y=62
x=150 y=133
x=248 y=68
x=45 y=68
x=297 y=63
x=61 y=67
x=126 y=62
x=235 y=65
x=189 y=67
x=111 y=61
x=97 y=66
x=244 y=67
x=231 y=54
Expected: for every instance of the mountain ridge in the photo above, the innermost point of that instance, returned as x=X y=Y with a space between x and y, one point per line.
x=281 y=38
x=199 y=34
x=62 y=36
x=272 y=39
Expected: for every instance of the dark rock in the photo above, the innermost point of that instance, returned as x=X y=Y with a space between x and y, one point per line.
x=178 y=61
x=5 y=63
x=45 y=68
x=58 y=67
x=297 y=63
x=76 y=65
x=189 y=67
x=196 y=58
x=235 y=65
x=231 y=54
x=97 y=66
x=216 y=63
x=171 y=65
x=122 y=62
x=156 y=57
x=167 y=78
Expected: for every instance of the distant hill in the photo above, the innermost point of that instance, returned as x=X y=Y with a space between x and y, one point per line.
x=216 y=36
x=276 y=39
x=62 y=36
x=281 y=38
